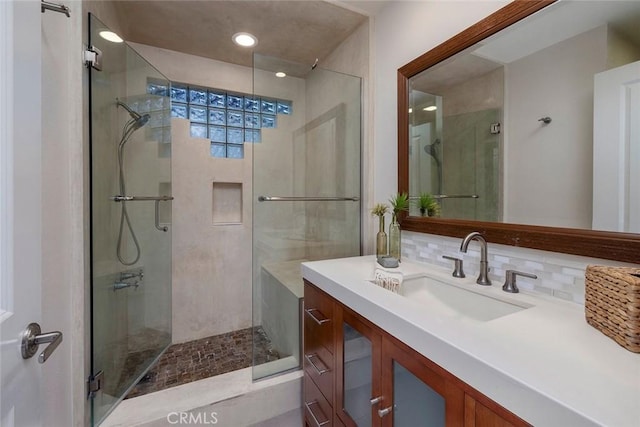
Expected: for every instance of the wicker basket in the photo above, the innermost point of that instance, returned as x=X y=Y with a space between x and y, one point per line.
x=612 y=303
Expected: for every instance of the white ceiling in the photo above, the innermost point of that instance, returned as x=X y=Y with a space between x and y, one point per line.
x=298 y=31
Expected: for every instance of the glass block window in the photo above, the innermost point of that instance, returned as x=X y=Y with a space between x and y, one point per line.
x=227 y=119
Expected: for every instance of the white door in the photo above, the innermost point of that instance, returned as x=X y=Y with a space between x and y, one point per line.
x=20 y=209
x=616 y=149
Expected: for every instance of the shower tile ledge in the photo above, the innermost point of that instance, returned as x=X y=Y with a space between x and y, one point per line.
x=153 y=407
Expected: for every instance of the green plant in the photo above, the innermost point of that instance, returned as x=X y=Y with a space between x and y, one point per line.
x=428 y=205
x=399 y=202
x=380 y=209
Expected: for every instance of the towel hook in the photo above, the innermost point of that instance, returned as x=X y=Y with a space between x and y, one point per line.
x=545 y=120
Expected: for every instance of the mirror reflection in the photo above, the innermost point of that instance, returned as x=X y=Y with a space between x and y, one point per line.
x=536 y=125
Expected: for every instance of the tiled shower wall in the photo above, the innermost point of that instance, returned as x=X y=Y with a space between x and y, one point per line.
x=559 y=275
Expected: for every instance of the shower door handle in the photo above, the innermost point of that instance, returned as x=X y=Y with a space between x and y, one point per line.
x=158 y=227
x=121 y=198
x=307 y=199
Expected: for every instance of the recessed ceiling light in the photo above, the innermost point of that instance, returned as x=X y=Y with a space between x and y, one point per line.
x=410 y=110
x=430 y=108
x=110 y=36
x=245 y=39
x=281 y=74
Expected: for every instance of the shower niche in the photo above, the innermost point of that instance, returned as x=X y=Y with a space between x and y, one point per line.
x=227 y=203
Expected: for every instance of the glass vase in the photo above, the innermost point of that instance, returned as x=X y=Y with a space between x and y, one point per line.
x=381 y=239
x=394 y=238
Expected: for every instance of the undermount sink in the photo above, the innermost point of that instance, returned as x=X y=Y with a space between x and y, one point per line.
x=450 y=299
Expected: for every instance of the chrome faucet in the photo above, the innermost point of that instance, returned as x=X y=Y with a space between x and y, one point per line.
x=483 y=277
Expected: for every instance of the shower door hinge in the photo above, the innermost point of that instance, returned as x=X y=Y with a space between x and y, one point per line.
x=93 y=58
x=95 y=384
x=494 y=128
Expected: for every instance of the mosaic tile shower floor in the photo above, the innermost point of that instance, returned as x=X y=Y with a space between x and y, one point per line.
x=203 y=358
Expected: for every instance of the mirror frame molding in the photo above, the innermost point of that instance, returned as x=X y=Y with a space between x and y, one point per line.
x=597 y=244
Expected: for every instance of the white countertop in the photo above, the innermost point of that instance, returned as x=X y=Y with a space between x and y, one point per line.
x=544 y=363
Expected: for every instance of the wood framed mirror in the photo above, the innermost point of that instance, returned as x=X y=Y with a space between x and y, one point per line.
x=578 y=240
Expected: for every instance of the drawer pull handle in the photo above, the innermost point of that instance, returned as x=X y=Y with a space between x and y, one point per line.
x=315 y=419
x=310 y=357
x=384 y=412
x=310 y=311
x=375 y=400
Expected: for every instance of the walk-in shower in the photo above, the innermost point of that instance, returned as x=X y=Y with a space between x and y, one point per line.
x=265 y=172
x=453 y=154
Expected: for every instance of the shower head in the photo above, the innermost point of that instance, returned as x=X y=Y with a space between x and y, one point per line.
x=139 y=120
x=431 y=148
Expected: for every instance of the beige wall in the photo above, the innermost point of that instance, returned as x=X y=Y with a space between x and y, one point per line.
x=353 y=56
x=559 y=155
x=212 y=263
x=63 y=217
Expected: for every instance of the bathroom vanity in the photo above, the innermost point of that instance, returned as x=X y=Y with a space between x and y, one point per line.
x=445 y=351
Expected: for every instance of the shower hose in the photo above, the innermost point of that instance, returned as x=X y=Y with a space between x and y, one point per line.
x=127 y=131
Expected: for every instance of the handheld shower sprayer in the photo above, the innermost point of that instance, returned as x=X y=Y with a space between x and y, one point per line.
x=138 y=120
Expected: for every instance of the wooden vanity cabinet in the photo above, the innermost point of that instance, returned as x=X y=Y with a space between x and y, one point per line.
x=318 y=357
x=377 y=380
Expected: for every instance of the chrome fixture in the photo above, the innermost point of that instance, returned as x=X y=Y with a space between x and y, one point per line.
x=458 y=271
x=60 y=8
x=306 y=199
x=129 y=279
x=133 y=124
x=432 y=150
x=449 y=196
x=381 y=412
x=141 y=198
x=156 y=199
x=483 y=276
x=510 y=280
x=32 y=337
x=139 y=120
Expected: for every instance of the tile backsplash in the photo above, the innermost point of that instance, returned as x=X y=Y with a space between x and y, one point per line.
x=559 y=275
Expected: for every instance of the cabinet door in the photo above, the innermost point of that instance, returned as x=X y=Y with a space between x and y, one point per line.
x=358 y=370
x=415 y=393
x=479 y=415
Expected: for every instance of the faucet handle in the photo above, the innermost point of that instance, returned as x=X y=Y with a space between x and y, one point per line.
x=458 y=270
x=510 y=280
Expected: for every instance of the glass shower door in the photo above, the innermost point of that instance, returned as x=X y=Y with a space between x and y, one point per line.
x=130 y=219
x=306 y=188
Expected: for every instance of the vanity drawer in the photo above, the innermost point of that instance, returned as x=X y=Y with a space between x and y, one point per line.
x=318 y=319
x=318 y=365
x=317 y=410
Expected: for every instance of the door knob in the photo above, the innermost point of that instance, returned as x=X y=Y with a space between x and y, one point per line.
x=32 y=337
